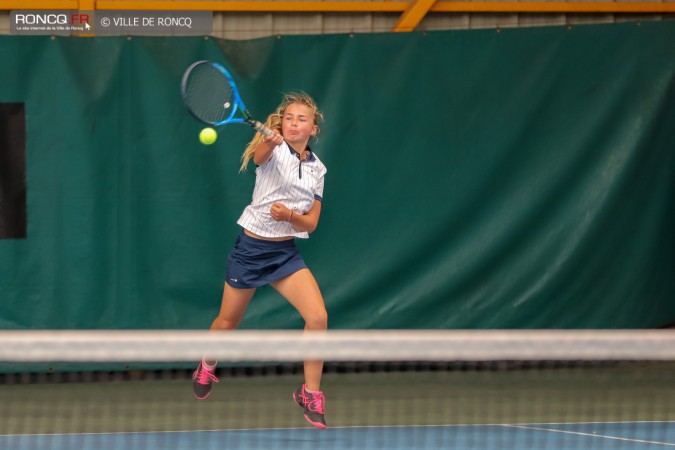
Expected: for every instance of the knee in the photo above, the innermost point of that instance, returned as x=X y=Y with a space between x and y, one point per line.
x=317 y=321
x=222 y=323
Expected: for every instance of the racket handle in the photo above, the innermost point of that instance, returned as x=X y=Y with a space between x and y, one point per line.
x=261 y=128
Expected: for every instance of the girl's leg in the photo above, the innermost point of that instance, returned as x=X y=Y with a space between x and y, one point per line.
x=232 y=309
x=302 y=291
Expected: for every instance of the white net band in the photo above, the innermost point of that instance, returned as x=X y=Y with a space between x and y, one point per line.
x=427 y=345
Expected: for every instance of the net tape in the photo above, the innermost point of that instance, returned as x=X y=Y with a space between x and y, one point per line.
x=337 y=345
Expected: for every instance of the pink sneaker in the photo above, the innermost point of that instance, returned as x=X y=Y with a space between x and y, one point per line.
x=202 y=381
x=313 y=403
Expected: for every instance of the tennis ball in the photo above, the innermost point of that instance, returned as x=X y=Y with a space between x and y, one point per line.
x=208 y=136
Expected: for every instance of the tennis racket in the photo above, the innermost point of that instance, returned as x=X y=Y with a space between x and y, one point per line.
x=211 y=95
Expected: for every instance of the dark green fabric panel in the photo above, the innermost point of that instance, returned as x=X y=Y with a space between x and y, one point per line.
x=477 y=179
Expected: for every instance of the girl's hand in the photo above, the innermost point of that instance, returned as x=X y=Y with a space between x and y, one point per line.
x=280 y=213
x=273 y=140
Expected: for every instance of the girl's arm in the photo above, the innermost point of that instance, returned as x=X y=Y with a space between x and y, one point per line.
x=303 y=222
x=264 y=150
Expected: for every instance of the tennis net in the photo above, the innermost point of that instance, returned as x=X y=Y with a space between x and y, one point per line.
x=466 y=390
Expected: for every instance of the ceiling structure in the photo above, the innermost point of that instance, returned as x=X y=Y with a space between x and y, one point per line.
x=411 y=11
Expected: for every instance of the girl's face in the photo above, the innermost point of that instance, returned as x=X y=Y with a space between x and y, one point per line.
x=297 y=125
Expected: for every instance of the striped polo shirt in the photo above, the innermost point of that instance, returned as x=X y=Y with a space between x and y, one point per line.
x=284 y=178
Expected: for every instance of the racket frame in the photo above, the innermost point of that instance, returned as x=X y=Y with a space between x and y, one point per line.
x=238 y=105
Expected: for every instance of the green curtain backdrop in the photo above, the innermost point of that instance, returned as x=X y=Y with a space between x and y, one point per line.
x=519 y=178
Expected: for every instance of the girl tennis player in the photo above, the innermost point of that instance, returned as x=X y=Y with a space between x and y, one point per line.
x=286 y=205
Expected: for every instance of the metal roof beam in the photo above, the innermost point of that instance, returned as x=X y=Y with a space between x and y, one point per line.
x=254 y=6
x=415 y=10
x=413 y=15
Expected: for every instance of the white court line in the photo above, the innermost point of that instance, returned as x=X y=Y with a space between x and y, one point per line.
x=221 y=430
x=579 y=433
x=348 y=427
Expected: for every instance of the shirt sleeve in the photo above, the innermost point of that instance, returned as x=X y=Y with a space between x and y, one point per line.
x=318 y=190
x=273 y=155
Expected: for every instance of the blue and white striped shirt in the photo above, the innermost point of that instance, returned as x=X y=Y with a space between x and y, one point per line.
x=284 y=178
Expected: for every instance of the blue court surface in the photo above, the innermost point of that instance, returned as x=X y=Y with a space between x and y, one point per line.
x=576 y=436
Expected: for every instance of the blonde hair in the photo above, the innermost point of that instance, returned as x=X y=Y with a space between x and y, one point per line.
x=274 y=122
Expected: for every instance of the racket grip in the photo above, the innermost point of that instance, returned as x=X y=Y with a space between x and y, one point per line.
x=261 y=128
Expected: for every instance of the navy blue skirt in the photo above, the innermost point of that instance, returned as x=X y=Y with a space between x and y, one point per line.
x=255 y=262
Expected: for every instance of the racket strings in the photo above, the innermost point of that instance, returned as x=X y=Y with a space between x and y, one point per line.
x=208 y=94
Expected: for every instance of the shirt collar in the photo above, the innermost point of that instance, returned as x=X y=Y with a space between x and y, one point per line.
x=310 y=153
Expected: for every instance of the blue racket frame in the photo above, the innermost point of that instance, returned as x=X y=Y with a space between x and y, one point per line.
x=238 y=102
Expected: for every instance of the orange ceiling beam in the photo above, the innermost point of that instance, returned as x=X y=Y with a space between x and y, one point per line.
x=555 y=7
x=413 y=15
x=254 y=6
x=9 y=5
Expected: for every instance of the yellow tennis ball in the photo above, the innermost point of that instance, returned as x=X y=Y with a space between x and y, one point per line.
x=208 y=136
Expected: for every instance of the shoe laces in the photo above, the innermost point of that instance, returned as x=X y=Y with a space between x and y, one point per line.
x=204 y=376
x=317 y=402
